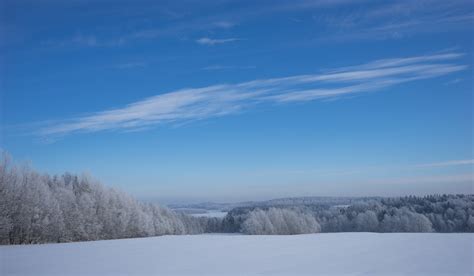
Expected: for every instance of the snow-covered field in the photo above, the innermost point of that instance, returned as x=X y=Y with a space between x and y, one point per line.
x=313 y=254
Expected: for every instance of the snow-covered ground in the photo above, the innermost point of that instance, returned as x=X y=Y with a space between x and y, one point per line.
x=313 y=254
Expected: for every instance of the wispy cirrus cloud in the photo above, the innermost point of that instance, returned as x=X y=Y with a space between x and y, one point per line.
x=130 y=65
x=339 y=20
x=223 y=99
x=225 y=67
x=224 y=24
x=364 y=170
x=429 y=179
x=449 y=163
x=214 y=41
x=394 y=20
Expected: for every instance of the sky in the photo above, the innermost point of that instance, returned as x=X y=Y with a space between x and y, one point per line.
x=224 y=100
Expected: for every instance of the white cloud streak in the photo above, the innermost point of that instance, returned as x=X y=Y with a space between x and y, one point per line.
x=214 y=41
x=225 y=67
x=430 y=179
x=224 y=24
x=449 y=163
x=397 y=19
x=223 y=99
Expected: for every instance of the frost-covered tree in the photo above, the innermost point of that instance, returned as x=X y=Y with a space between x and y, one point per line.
x=404 y=220
x=366 y=222
x=438 y=213
x=37 y=208
x=6 y=198
x=280 y=222
x=258 y=223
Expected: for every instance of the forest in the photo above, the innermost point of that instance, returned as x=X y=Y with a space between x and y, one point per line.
x=432 y=213
x=39 y=208
x=42 y=208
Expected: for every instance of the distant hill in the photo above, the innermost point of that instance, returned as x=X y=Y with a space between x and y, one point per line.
x=288 y=201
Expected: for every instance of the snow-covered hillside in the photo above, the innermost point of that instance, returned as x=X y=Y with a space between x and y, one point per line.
x=211 y=214
x=312 y=254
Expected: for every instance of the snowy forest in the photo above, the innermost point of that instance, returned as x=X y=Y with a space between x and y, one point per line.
x=40 y=208
x=433 y=213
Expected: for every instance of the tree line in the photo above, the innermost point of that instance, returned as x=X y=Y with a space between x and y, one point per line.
x=40 y=208
x=433 y=213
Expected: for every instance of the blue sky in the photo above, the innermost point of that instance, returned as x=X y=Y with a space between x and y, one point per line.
x=237 y=100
